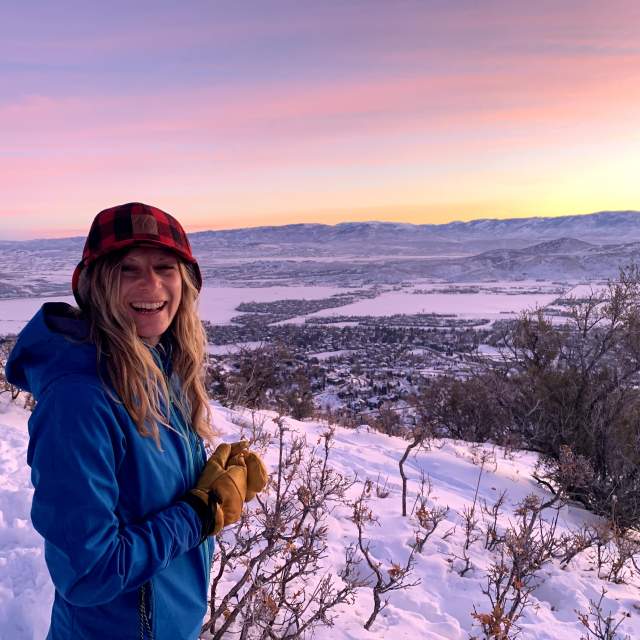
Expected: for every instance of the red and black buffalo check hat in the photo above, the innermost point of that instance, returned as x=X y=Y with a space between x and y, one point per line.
x=131 y=224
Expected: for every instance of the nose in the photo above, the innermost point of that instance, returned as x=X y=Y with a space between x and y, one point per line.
x=149 y=278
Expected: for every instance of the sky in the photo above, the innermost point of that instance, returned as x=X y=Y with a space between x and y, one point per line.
x=236 y=114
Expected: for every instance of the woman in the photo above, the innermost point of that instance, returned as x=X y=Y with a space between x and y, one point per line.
x=122 y=495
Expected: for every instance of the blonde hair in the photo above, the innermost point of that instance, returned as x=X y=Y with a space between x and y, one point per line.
x=133 y=373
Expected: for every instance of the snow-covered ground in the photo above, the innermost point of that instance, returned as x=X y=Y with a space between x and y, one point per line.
x=438 y=608
x=325 y=355
x=226 y=349
x=26 y=592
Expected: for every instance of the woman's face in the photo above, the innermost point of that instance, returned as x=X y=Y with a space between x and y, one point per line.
x=150 y=290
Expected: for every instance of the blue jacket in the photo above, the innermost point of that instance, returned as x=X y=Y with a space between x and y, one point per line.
x=121 y=550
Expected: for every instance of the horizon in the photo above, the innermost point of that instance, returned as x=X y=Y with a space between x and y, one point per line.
x=82 y=236
x=237 y=116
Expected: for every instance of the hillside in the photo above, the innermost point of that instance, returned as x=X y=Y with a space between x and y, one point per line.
x=352 y=254
x=438 y=608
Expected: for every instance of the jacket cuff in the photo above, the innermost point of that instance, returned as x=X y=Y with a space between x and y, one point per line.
x=206 y=512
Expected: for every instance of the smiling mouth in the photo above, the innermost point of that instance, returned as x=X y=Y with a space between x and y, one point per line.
x=148 y=307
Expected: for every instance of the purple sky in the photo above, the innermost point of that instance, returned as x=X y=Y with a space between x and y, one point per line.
x=245 y=113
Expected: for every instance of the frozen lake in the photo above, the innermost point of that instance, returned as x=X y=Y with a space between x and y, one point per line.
x=464 y=305
x=217 y=304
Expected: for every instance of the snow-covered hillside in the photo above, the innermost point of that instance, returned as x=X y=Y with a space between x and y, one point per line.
x=26 y=592
x=439 y=608
x=579 y=247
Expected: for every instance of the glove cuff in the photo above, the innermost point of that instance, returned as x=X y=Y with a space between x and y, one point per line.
x=206 y=512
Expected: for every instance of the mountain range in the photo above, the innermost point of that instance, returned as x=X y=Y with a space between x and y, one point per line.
x=570 y=248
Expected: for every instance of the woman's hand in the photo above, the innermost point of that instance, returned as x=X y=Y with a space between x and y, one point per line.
x=232 y=476
x=257 y=476
x=225 y=479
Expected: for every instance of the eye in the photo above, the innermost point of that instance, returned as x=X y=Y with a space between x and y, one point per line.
x=127 y=268
x=165 y=267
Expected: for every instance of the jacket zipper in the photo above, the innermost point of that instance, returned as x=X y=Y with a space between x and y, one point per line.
x=145 y=611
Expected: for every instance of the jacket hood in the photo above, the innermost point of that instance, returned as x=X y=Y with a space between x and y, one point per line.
x=55 y=343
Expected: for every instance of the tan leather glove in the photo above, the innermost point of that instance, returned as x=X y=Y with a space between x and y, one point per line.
x=215 y=467
x=237 y=447
x=257 y=476
x=228 y=479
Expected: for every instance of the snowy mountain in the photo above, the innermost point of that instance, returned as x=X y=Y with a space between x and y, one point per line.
x=598 y=227
x=365 y=238
x=560 y=246
x=438 y=607
x=587 y=247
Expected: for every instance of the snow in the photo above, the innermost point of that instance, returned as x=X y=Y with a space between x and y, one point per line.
x=15 y=313
x=491 y=353
x=438 y=609
x=226 y=349
x=325 y=355
x=26 y=591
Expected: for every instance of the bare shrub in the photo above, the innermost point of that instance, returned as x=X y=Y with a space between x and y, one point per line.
x=576 y=387
x=492 y=538
x=382 y=490
x=340 y=416
x=524 y=548
x=13 y=392
x=387 y=420
x=598 y=625
x=382 y=580
x=419 y=438
x=428 y=517
x=253 y=428
x=270 y=580
x=296 y=397
x=6 y=387
x=267 y=377
x=482 y=456
x=617 y=552
x=575 y=542
x=470 y=520
x=565 y=390
x=249 y=381
x=475 y=410
x=566 y=475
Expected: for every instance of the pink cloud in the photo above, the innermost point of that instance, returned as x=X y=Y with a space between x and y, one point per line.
x=513 y=95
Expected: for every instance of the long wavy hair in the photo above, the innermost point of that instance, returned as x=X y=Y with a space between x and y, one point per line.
x=138 y=381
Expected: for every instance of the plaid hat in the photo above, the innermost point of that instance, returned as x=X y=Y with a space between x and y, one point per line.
x=128 y=225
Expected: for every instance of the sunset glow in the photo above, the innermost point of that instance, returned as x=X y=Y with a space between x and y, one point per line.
x=254 y=113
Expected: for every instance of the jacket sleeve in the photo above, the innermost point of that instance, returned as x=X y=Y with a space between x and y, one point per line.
x=74 y=451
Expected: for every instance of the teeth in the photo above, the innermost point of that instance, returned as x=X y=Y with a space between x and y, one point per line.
x=148 y=306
